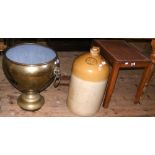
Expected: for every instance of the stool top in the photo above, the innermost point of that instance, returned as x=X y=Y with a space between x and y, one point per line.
x=120 y=51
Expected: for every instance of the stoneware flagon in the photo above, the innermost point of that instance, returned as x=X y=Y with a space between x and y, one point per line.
x=88 y=81
x=31 y=68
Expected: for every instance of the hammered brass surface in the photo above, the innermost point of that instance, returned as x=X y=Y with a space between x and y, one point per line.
x=30 y=80
x=30 y=101
x=29 y=77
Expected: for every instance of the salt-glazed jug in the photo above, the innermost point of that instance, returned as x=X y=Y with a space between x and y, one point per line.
x=88 y=82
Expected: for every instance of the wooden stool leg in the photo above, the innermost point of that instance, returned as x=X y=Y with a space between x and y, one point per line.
x=146 y=77
x=151 y=74
x=111 y=84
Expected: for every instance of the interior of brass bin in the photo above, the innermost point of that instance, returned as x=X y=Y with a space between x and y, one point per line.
x=30 y=67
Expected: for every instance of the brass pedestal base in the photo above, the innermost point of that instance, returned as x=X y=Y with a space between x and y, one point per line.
x=30 y=101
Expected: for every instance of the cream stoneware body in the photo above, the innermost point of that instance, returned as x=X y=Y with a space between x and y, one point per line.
x=88 y=82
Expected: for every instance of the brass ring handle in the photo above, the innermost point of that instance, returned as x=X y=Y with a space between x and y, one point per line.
x=56 y=82
x=57 y=75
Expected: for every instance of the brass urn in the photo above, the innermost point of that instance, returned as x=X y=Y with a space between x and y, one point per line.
x=31 y=68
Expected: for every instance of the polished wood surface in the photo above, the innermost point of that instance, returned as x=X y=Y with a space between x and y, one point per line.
x=111 y=84
x=120 y=55
x=120 y=50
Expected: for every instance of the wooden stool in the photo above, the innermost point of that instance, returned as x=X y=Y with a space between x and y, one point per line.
x=120 y=54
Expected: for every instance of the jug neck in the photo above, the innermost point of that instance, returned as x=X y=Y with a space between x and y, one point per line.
x=95 y=51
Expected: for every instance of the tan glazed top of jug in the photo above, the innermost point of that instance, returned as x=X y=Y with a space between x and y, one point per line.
x=91 y=66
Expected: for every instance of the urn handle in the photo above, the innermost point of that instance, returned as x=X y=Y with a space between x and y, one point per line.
x=57 y=73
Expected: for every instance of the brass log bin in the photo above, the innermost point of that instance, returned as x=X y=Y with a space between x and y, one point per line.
x=88 y=81
x=31 y=68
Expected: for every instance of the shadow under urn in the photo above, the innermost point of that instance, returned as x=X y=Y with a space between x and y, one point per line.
x=31 y=68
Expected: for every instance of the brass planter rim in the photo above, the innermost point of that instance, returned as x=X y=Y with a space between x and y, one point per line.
x=39 y=64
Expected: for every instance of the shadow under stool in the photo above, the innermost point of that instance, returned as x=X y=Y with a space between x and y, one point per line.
x=122 y=55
